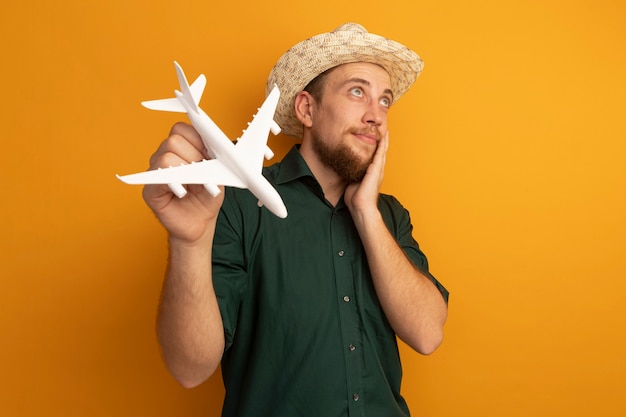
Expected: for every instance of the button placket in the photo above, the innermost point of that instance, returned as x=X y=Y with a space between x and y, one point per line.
x=341 y=229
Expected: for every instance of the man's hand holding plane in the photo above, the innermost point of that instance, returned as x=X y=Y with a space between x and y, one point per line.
x=203 y=158
x=186 y=218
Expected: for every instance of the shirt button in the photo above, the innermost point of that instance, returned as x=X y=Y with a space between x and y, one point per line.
x=355 y=397
x=346 y=298
x=341 y=253
x=352 y=347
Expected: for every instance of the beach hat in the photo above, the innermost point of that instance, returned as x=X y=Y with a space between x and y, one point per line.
x=348 y=43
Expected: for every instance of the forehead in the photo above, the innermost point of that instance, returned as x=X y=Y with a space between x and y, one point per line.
x=372 y=73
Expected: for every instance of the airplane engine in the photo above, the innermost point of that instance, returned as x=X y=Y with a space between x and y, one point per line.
x=178 y=190
x=269 y=154
x=213 y=189
x=275 y=128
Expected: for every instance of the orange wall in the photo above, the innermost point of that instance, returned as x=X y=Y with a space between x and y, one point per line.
x=509 y=152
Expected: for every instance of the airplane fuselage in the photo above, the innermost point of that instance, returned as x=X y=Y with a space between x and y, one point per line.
x=221 y=148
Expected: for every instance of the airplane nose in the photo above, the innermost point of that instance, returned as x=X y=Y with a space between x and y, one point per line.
x=282 y=213
x=279 y=209
x=276 y=207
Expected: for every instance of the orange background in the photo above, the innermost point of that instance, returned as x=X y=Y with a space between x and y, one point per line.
x=509 y=152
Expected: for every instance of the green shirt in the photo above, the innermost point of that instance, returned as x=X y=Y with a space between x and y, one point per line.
x=305 y=333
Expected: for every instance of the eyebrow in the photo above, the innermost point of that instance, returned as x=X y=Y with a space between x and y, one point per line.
x=367 y=83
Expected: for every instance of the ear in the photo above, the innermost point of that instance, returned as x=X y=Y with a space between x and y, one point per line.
x=303 y=107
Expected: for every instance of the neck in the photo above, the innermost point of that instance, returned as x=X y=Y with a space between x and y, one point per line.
x=332 y=184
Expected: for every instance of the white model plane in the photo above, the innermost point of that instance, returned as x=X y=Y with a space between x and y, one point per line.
x=235 y=165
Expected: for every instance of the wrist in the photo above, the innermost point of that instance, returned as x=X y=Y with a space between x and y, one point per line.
x=199 y=240
x=366 y=217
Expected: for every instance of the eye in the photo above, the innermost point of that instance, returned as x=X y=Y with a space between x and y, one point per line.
x=386 y=102
x=356 y=91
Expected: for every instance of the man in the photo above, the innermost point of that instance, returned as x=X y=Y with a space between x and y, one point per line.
x=303 y=312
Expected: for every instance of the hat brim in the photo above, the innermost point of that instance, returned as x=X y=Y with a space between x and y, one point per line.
x=348 y=43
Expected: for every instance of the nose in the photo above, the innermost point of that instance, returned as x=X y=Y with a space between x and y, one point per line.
x=374 y=114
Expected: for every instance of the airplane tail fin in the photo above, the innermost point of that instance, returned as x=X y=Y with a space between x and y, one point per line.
x=190 y=94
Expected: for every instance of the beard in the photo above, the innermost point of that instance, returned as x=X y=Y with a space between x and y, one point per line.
x=342 y=159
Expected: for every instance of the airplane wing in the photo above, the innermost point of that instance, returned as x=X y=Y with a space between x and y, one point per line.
x=205 y=172
x=253 y=143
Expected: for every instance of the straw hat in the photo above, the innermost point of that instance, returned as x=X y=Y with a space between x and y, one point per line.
x=350 y=42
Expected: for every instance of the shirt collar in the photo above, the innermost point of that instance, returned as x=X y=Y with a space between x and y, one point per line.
x=293 y=166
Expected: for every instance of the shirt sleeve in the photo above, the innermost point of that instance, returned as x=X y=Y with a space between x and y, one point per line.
x=398 y=221
x=230 y=277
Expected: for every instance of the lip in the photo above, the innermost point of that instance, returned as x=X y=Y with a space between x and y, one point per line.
x=369 y=138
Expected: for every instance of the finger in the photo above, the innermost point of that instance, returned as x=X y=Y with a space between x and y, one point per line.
x=380 y=158
x=169 y=155
x=175 y=150
x=385 y=143
x=190 y=133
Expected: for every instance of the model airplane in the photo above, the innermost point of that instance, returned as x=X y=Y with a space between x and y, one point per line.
x=235 y=165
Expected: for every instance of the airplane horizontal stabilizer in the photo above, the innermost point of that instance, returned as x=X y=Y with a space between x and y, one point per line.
x=190 y=93
x=165 y=104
